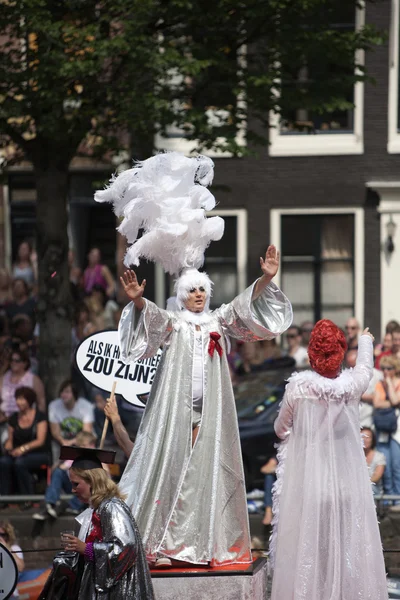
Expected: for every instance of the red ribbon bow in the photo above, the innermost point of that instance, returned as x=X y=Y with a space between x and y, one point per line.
x=214 y=344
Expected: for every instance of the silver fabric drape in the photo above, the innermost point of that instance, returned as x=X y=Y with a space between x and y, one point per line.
x=190 y=504
x=119 y=569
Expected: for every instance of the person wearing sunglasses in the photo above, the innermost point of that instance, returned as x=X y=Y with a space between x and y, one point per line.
x=353 y=329
x=387 y=398
x=295 y=349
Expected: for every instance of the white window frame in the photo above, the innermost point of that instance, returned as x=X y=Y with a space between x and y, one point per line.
x=321 y=144
x=275 y=236
x=241 y=253
x=393 y=145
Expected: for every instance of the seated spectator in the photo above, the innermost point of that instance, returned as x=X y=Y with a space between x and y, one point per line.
x=5 y=290
x=353 y=329
x=269 y=479
x=9 y=540
x=19 y=375
x=22 y=303
x=365 y=406
x=68 y=416
x=25 y=266
x=376 y=460
x=295 y=349
x=387 y=396
x=98 y=274
x=26 y=447
x=60 y=482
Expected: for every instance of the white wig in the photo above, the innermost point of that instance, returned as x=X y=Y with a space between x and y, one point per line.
x=189 y=280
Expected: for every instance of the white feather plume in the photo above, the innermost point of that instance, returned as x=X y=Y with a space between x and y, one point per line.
x=164 y=197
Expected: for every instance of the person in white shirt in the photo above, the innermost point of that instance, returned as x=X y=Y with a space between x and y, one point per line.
x=68 y=415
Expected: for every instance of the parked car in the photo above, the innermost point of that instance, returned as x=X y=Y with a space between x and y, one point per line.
x=258 y=396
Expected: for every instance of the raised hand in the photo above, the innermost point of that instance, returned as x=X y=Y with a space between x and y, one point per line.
x=270 y=264
x=367 y=332
x=133 y=290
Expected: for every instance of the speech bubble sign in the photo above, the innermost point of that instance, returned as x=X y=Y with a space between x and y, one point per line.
x=98 y=358
x=8 y=573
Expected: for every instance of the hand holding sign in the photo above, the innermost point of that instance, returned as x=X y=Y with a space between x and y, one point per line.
x=105 y=426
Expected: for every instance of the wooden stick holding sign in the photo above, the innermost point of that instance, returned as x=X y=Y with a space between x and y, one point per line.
x=105 y=427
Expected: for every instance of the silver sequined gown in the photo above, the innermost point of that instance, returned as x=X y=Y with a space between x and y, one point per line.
x=190 y=504
x=119 y=570
x=325 y=543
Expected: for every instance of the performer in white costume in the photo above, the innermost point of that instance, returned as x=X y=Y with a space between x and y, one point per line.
x=184 y=479
x=325 y=543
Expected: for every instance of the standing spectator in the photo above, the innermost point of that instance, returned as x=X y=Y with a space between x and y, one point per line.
x=21 y=303
x=376 y=460
x=26 y=447
x=68 y=415
x=101 y=308
x=383 y=349
x=9 y=540
x=396 y=342
x=387 y=396
x=19 y=375
x=306 y=328
x=366 y=408
x=352 y=333
x=25 y=266
x=97 y=274
x=295 y=349
x=391 y=325
x=83 y=326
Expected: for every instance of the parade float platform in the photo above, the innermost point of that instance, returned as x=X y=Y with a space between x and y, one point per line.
x=233 y=582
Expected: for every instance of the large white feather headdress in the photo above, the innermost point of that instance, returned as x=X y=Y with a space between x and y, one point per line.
x=165 y=198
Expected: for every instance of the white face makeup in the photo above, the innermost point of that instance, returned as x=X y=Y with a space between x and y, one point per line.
x=196 y=300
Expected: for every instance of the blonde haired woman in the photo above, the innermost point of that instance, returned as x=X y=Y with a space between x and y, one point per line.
x=386 y=402
x=106 y=559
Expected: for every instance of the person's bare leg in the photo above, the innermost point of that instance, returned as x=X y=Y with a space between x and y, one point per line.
x=195 y=432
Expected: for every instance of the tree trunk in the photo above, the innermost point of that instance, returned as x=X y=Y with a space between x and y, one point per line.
x=55 y=308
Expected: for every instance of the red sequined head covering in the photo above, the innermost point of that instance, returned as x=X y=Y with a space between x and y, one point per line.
x=327 y=348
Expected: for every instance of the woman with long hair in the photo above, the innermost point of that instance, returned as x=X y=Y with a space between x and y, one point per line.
x=325 y=543
x=106 y=560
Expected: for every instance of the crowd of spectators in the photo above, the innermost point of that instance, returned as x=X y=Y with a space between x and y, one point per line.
x=33 y=427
